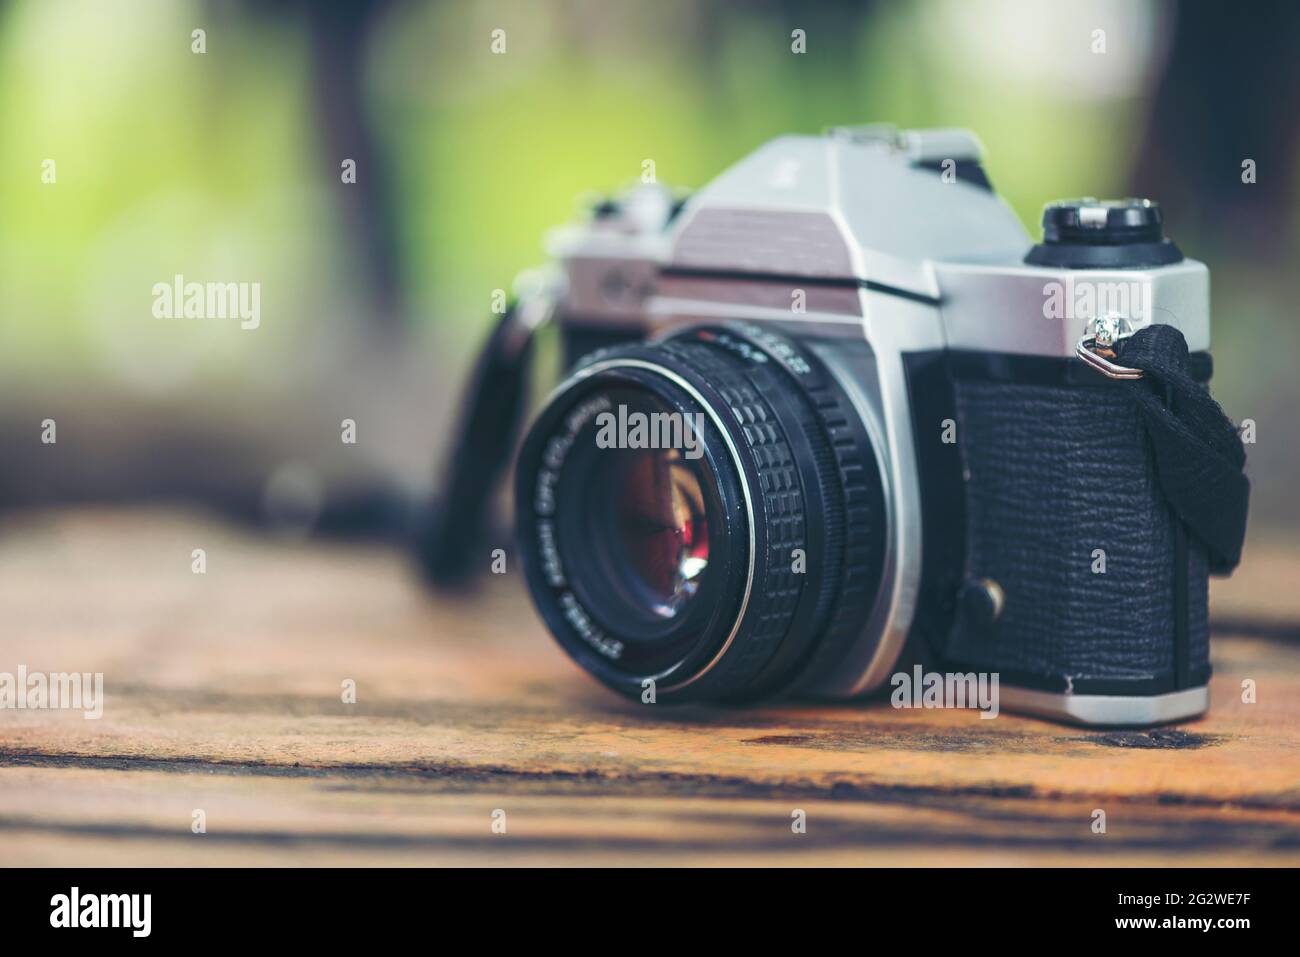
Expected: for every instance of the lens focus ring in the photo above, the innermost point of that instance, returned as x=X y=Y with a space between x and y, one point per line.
x=779 y=499
x=847 y=510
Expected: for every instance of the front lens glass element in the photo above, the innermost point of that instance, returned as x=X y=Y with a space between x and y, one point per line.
x=635 y=501
x=662 y=528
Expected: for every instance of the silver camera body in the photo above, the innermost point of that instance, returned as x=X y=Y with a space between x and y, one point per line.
x=886 y=253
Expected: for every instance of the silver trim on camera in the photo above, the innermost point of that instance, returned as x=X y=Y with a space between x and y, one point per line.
x=1097 y=710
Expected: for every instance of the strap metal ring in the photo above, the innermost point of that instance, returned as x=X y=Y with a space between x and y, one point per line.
x=1084 y=350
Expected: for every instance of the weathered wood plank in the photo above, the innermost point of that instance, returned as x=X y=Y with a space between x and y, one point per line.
x=86 y=816
x=223 y=693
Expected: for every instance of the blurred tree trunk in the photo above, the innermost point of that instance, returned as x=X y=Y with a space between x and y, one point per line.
x=1231 y=92
x=339 y=33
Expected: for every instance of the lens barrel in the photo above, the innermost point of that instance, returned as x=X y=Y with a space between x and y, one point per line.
x=702 y=516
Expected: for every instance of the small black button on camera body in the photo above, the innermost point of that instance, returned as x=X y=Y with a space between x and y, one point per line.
x=981 y=602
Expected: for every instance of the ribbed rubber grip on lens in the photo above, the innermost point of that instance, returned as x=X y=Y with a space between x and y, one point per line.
x=780 y=519
x=843 y=570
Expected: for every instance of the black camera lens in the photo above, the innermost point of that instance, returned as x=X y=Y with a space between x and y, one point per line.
x=702 y=514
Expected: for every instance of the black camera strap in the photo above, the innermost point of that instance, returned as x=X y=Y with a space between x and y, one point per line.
x=451 y=535
x=1199 y=455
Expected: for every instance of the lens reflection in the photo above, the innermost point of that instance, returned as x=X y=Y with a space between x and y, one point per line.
x=662 y=527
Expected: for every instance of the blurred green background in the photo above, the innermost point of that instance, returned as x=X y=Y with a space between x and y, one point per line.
x=225 y=165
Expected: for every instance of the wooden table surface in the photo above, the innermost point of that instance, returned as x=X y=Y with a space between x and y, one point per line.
x=224 y=694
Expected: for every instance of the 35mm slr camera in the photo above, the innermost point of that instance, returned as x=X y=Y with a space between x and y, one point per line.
x=835 y=413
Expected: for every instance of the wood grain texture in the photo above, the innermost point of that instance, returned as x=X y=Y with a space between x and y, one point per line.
x=223 y=693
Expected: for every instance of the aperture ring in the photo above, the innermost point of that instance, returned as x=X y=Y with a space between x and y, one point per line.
x=864 y=529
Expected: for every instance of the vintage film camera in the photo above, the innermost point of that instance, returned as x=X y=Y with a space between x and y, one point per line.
x=918 y=437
